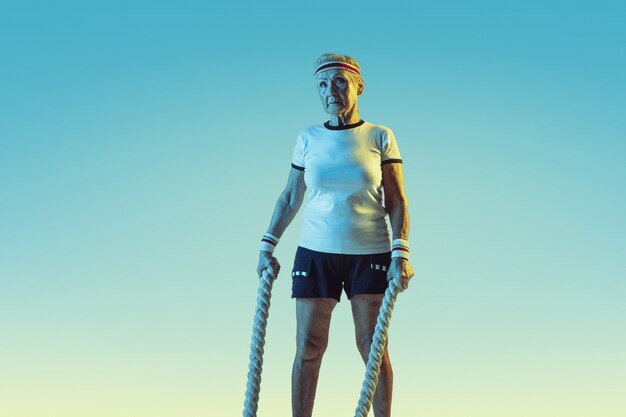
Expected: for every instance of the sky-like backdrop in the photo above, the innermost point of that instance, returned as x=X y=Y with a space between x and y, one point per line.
x=143 y=146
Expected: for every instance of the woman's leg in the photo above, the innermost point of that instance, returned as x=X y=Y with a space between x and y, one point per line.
x=313 y=322
x=365 y=309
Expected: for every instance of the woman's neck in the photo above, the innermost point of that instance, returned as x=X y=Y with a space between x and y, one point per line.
x=347 y=118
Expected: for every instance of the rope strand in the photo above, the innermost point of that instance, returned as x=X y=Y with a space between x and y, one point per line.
x=376 y=350
x=253 y=385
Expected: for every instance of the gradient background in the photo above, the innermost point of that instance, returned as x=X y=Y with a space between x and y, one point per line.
x=142 y=148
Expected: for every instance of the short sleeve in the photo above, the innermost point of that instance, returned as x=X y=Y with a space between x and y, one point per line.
x=297 y=161
x=389 y=152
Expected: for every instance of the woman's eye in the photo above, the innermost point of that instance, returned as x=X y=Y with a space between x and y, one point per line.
x=323 y=84
x=340 y=81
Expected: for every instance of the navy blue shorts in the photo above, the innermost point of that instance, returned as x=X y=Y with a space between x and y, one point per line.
x=324 y=275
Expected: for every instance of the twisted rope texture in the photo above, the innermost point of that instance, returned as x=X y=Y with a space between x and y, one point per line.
x=376 y=350
x=253 y=385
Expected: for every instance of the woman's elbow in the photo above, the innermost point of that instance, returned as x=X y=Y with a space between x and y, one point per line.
x=397 y=205
x=289 y=201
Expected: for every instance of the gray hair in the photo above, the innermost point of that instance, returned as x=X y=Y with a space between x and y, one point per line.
x=330 y=57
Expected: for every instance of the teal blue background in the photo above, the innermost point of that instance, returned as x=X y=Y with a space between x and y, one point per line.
x=142 y=148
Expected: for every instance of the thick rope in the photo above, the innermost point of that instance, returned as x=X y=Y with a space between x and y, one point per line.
x=377 y=349
x=253 y=385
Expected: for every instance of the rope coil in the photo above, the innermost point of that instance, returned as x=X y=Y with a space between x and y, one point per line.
x=253 y=384
x=376 y=350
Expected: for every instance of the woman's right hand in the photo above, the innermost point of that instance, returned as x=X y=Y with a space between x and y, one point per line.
x=269 y=263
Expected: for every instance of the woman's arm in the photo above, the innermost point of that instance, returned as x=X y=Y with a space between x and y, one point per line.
x=396 y=203
x=287 y=206
x=397 y=207
x=288 y=203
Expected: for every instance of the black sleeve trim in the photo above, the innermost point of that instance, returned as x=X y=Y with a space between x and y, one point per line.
x=297 y=167
x=391 y=161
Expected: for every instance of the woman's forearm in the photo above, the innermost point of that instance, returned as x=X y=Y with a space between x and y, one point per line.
x=399 y=219
x=284 y=212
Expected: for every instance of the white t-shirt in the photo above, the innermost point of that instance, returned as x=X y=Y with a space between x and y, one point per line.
x=342 y=168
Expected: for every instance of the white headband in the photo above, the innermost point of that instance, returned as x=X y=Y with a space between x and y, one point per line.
x=337 y=64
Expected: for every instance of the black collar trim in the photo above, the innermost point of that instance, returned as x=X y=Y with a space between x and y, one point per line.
x=357 y=124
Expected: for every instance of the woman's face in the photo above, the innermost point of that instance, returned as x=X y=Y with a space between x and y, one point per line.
x=337 y=90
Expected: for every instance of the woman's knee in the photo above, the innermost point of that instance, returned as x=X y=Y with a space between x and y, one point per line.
x=364 y=344
x=311 y=348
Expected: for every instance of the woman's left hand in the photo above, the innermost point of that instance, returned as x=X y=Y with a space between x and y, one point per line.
x=401 y=271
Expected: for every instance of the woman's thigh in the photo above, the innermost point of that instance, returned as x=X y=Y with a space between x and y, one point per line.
x=365 y=309
x=313 y=319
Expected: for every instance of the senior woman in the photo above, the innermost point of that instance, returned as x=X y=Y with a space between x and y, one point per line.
x=353 y=171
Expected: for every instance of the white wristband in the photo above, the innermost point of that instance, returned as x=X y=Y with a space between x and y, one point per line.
x=268 y=242
x=400 y=249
